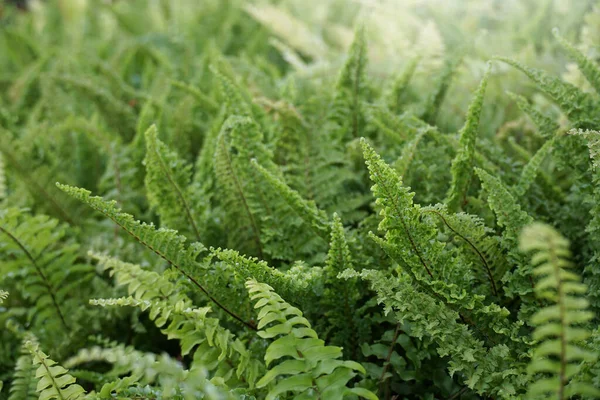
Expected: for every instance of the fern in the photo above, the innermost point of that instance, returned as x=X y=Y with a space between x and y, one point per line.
x=36 y=249
x=462 y=164
x=24 y=384
x=576 y=104
x=588 y=67
x=167 y=179
x=314 y=368
x=558 y=326
x=54 y=382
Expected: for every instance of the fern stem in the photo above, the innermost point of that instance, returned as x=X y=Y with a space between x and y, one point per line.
x=184 y=203
x=188 y=276
x=479 y=254
x=389 y=355
x=40 y=272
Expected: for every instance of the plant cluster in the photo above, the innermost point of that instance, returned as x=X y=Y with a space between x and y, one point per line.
x=212 y=200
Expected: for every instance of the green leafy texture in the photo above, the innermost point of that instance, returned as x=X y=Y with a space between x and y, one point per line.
x=54 y=382
x=591 y=272
x=2 y=179
x=24 y=382
x=486 y=370
x=340 y=297
x=462 y=165
x=3 y=296
x=587 y=66
x=165 y=243
x=173 y=311
x=351 y=89
x=532 y=168
x=577 y=105
x=413 y=243
x=509 y=216
x=242 y=223
x=394 y=98
x=434 y=101
x=314 y=370
x=409 y=151
x=560 y=326
x=167 y=186
x=547 y=126
x=38 y=251
x=306 y=210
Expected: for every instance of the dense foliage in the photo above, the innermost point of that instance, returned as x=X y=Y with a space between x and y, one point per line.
x=300 y=200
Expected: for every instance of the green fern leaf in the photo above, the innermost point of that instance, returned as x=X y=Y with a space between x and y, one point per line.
x=167 y=181
x=54 y=382
x=314 y=369
x=462 y=165
x=558 y=326
x=588 y=67
x=577 y=105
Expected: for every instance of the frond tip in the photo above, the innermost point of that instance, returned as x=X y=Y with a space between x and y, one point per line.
x=559 y=330
x=54 y=381
x=313 y=369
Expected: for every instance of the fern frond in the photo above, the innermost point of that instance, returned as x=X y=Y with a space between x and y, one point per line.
x=54 y=382
x=233 y=98
x=2 y=178
x=435 y=99
x=24 y=383
x=462 y=164
x=305 y=209
x=591 y=271
x=491 y=369
x=351 y=88
x=36 y=249
x=546 y=125
x=588 y=67
x=167 y=181
x=576 y=104
x=340 y=297
x=531 y=169
x=174 y=313
x=314 y=369
x=3 y=296
x=560 y=327
x=165 y=243
x=512 y=219
x=400 y=85
x=241 y=219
